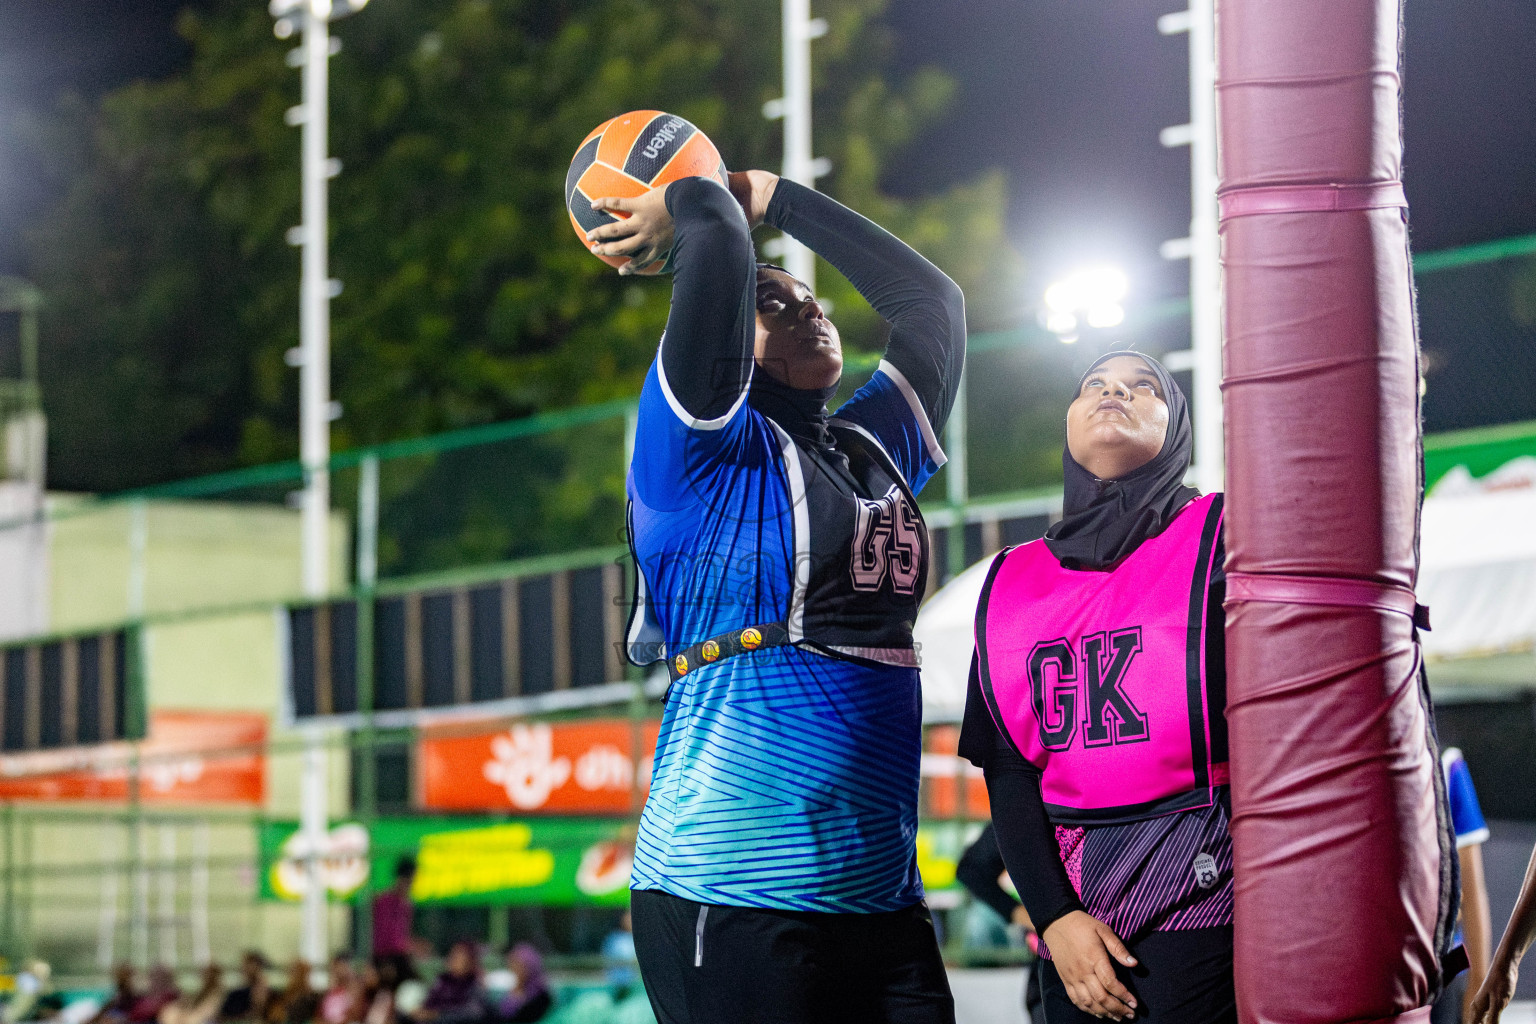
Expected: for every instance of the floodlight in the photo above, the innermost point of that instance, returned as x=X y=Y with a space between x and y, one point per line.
x=1060 y=322
x=1092 y=295
x=1111 y=315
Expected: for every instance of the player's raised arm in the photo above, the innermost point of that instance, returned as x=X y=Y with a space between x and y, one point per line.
x=705 y=363
x=926 y=310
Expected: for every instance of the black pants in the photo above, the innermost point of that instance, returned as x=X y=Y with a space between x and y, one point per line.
x=1447 y=1009
x=1033 y=1001
x=1180 y=978
x=708 y=964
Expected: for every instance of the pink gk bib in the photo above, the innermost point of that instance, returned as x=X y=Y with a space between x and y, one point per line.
x=1098 y=678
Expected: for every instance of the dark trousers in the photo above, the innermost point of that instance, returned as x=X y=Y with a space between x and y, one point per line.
x=1033 y=1001
x=1181 y=978
x=1447 y=1009
x=709 y=964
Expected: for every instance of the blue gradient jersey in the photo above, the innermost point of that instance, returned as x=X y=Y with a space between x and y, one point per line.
x=1466 y=812
x=787 y=777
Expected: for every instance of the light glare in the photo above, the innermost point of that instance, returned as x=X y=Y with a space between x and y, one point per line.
x=1106 y=316
x=1060 y=323
x=1059 y=298
x=1093 y=294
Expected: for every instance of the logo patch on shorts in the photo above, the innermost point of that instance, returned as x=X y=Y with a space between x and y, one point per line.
x=1205 y=871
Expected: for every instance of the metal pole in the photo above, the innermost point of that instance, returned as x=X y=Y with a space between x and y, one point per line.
x=798 y=260
x=315 y=305
x=8 y=823
x=167 y=909
x=365 y=763
x=201 y=946
x=799 y=165
x=1202 y=248
x=957 y=479
x=312 y=811
x=368 y=523
x=1205 y=251
x=315 y=425
x=140 y=868
x=106 y=928
x=29 y=876
x=138 y=544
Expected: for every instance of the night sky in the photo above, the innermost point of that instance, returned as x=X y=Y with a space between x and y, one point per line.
x=1066 y=96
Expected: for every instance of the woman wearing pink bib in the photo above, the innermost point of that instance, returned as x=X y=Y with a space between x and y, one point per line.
x=1096 y=710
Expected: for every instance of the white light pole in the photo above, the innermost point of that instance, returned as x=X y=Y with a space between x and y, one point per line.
x=795 y=108
x=1202 y=247
x=316 y=410
x=316 y=289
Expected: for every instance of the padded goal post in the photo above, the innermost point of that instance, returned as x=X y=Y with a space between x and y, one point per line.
x=1342 y=872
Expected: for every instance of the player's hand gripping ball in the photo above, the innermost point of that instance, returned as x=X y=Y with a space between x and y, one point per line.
x=627 y=156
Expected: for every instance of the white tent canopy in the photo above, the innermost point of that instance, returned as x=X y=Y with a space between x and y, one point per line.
x=1478 y=561
x=944 y=637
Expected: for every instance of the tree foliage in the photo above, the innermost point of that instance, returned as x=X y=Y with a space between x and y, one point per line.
x=173 y=294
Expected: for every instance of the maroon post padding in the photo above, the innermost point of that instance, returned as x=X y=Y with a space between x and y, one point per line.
x=1334 y=781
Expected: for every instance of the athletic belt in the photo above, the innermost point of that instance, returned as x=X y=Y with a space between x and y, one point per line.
x=727 y=645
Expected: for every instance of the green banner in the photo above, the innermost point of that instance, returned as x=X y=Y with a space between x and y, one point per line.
x=492 y=861
x=1480 y=450
x=479 y=861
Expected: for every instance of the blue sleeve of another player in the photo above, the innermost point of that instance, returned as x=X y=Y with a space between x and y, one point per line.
x=1466 y=815
x=889 y=410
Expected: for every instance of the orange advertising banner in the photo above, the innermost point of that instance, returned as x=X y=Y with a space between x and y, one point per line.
x=952 y=786
x=188 y=757
x=594 y=766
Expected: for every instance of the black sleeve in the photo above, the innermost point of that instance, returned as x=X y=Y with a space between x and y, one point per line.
x=978 y=869
x=978 y=732
x=1025 y=836
x=706 y=352
x=926 y=310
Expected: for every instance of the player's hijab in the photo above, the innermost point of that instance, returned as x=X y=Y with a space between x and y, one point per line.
x=802 y=412
x=1103 y=521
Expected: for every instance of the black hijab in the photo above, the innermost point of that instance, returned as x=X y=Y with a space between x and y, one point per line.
x=802 y=412
x=1103 y=521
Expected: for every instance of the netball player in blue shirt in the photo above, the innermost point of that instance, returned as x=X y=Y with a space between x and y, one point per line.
x=1474 y=931
x=781 y=558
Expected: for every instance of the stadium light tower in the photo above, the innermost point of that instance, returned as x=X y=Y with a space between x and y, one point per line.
x=795 y=108
x=1201 y=247
x=316 y=410
x=316 y=288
